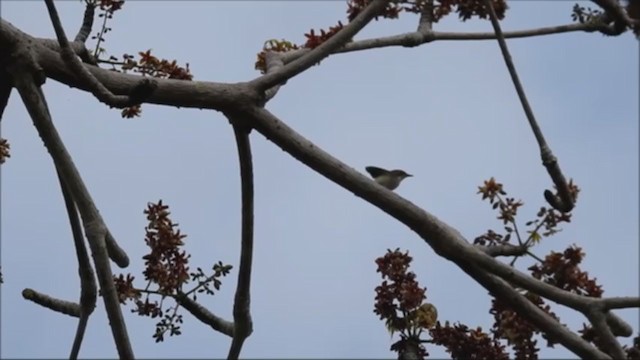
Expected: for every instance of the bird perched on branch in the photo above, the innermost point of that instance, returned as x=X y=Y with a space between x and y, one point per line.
x=387 y=178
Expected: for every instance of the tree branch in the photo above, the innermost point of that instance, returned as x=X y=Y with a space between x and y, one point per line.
x=201 y=313
x=322 y=51
x=621 y=303
x=24 y=71
x=503 y=250
x=565 y=201
x=425 y=24
x=423 y=36
x=243 y=325
x=88 y=287
x=62 y=306
x=143 y=89
x=606 y=339
x=87 y=22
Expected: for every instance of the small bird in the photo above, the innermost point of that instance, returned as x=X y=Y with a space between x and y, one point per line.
x=389 y=179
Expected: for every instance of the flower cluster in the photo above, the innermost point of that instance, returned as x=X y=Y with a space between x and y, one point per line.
x=314 y=40
x=562 y=271
x=166 y=264
x=149 y=65
x=399 y=302
x=464 y=343
x=391 y=11
x=518 y=331
x=585 y=15
x=166 y=267
x=546 y=223
x=466 y=9
x=110 y=5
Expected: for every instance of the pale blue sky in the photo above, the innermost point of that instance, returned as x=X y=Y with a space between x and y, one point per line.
x=445 y=112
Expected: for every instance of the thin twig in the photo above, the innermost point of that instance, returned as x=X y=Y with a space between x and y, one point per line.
x=565 y=202
x=96 y=51
x=87 y=22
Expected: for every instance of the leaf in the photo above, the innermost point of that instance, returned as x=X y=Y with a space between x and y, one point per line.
x=535 y=237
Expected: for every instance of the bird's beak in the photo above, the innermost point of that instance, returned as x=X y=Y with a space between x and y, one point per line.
x=409 y=175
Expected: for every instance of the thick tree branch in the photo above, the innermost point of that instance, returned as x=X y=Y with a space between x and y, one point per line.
x=322 y=51
x=243 y=325
x=23 y=70
x=565 y=201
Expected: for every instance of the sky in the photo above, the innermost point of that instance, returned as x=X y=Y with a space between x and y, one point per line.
x=445 y=112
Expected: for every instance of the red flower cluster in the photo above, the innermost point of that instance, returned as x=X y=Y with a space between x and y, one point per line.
x=518 y=331
x=165 y=265
x=464 y=343
x=399 y=301
x=166 y=268
x=466 y=9
x=314 y=40
x=562 y=271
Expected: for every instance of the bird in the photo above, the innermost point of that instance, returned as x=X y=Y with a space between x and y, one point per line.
x=389 y=179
